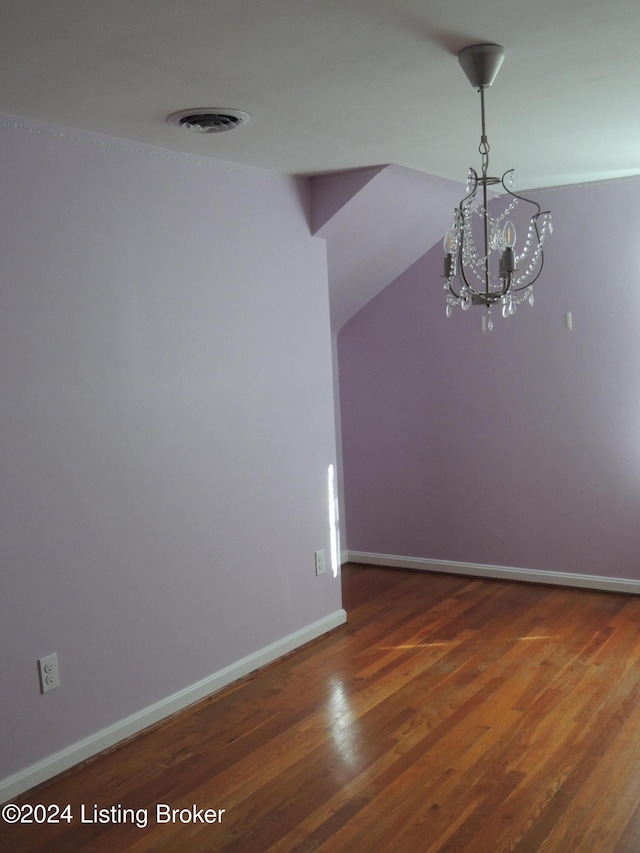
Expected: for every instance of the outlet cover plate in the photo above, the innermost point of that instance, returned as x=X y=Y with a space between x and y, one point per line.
x=49 y=676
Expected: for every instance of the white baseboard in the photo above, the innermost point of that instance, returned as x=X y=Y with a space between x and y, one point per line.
x=34 y=775
x=605 y=584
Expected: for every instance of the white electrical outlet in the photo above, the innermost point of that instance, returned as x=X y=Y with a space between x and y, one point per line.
x=49 y=676
x=320 y=567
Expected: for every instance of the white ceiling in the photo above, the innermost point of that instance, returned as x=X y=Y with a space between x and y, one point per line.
x=338 y=84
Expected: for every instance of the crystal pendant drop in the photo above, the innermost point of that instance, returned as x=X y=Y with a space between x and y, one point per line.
x=447 y=310
x=470 y=181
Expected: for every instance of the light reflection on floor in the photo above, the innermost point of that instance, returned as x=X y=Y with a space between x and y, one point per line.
x=435 y=645
x=343 y=725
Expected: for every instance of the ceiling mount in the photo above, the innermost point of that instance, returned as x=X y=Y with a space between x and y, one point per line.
x=481 y=63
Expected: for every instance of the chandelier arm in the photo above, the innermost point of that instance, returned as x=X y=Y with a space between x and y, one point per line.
x=535 y=218
x=459 y=218
x=485 y=219
x=455 y=295
x=522 y=198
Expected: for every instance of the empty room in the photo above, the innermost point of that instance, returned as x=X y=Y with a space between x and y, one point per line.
x=320 y=426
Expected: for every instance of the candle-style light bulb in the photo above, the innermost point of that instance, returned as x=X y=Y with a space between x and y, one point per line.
x=509 y=235
x=508 y=261
x=450 y=241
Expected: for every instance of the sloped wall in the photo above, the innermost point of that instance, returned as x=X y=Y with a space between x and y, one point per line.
x=376 y=222
x=518 y=448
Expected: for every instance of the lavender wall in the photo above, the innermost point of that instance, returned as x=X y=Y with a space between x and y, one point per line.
x=518 y=448
x=166 y=426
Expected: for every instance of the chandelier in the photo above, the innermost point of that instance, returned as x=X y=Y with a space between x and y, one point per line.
x=482 y=265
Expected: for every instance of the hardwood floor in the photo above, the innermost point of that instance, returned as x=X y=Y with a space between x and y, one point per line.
x=450 y=714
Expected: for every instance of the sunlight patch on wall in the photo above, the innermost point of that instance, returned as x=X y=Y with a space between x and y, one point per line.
x=333 y=521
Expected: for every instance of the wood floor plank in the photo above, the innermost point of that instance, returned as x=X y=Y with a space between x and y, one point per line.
x=449 y=714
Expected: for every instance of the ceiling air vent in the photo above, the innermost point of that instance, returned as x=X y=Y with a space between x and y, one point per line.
x=209 y=120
